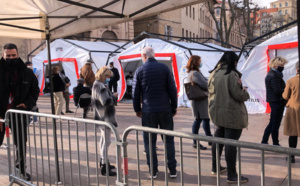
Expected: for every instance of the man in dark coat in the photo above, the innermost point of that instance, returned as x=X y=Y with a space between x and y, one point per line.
x=113 y=83
x=77 y=92
x=19 y=90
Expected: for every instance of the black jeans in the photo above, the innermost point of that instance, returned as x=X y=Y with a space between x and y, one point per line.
x=163 y=120
x=230 y=151
x=113 y=85
x=206 y=127
x=277 y=109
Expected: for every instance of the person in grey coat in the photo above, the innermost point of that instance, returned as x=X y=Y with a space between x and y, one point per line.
x=103 y=103
x=199 y=108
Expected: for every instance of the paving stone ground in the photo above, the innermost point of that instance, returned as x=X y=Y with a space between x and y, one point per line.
x=275 y=164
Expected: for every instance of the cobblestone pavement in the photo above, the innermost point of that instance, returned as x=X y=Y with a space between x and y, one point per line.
x=275 y=164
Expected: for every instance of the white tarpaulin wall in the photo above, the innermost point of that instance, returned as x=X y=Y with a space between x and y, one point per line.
x=72 y=57
x=66 y=18
x=177 y=56
x=255 y=68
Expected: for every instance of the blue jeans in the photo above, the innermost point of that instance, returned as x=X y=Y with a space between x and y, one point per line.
x=206 y=127
x=162 y=120
x=277 y=109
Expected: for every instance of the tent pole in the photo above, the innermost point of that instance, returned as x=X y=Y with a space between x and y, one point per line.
x=52 y=108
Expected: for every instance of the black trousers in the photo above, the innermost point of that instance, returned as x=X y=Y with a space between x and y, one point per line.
x=230 y=151
x=113 y=85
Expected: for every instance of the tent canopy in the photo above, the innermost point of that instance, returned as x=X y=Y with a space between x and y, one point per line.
x=36 y=18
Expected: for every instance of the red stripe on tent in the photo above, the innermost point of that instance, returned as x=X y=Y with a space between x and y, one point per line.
x=73 y=60
x=276 y=47
x=174 y=65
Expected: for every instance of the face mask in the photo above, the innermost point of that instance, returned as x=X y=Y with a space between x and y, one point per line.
x=11 y=61
x=30 y=67
x=200 y=65
x=107 y=80
x=280 y=69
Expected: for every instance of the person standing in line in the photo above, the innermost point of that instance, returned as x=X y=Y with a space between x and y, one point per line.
x=66 y=92
x=58 y=89
x=154 y=83
x=129 y=79
x=227 y=111
x=77 y=92
x=292 y=115
x=19 y=90
x=274 y=87
x=113 y=82
x=199 y=108
x=104 y=110
x=86 y=73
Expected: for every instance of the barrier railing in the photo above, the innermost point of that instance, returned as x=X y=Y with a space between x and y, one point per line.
x=68 y=155
x=239 y=144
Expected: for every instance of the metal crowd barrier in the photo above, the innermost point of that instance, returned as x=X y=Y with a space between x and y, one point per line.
x=60 y=150
x=239 y=144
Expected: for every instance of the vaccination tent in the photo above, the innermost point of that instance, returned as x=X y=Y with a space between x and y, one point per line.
x=256 y=67
x=172 y=53
x=71 y=55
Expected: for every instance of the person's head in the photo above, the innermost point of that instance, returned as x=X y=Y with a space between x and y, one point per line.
x=28 y=64
x=130 y=73
x=278 y=62
x=103 y=73
x=80 y=81
x=193 y=63
x=147 y=52
x=10 y=53
x=111 y=65
x=229 y=59
x=297 y=67
x=55 y=69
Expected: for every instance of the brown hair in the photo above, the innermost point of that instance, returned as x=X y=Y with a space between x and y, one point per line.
x=100 y=75
x=54 y=69
x=193 y=63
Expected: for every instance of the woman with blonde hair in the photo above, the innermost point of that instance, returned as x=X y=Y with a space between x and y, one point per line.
x=104 y=110
x=199 y=107
x=274 y=88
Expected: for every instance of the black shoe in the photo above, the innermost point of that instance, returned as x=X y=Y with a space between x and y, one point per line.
x=277 y=144
x=103 y=171
x=110 y=166
x=62 y=113
x=69 y=111
x=209 y=143
x=154 y=175
x=173 y=173
x=235 y=180
x=200 y=146
x=26 y=177
x=292 y=159
x=84 y=116
x=222 y=169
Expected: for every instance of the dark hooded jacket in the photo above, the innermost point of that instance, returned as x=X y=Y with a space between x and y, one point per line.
x=26 y=89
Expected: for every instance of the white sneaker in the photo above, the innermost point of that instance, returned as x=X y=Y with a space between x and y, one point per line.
x=31 y=122
x=36 y=122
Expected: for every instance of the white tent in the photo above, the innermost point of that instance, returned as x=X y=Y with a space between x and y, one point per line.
x=174 y=54
x=254 y=70
x=72 y=55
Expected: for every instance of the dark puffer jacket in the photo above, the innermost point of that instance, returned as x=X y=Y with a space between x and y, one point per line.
x=154 y=82
x=274 y=86
x=58 y=84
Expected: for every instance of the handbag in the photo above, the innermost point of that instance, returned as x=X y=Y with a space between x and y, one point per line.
x=194 y=91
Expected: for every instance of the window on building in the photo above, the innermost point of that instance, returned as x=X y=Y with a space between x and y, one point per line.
x=187 y=11
x=190 y=34
x=274 y=6
x=190 y=11
x=186 y=33
x=197 y=37
x=194 y=13
x=280 y=5
x=200 y=14
x=182 y=34
x=286 y=11
x=194 y=36
x=280 y=12
x=168 y=32
x=218 y=11
x=286 y=3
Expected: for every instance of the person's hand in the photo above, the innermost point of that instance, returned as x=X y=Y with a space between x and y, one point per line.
x=240 y=81
x=1 y=125
x=139 y=114
x=22 y=105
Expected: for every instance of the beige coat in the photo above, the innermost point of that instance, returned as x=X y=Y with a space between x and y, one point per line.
x=226 y=100
x=87 y=74
x=292 y=115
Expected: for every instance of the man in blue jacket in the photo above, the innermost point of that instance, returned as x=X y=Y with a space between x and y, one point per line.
x=154 y=83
